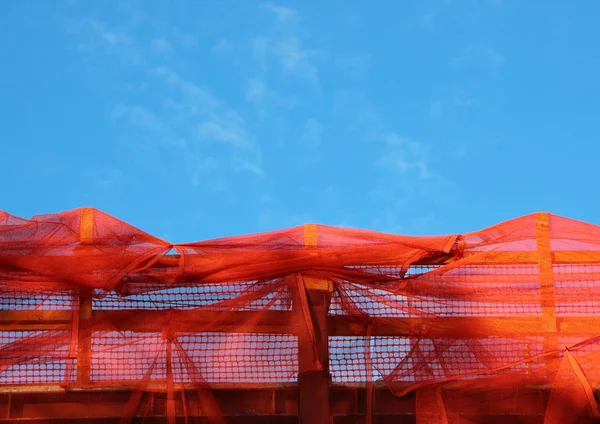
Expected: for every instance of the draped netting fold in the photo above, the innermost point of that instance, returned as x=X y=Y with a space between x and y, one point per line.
x=87 y=300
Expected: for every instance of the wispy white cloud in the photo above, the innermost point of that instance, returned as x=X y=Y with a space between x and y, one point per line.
x=242 y=164
x=138 y=116
x=405 y=156
x=186 y=116
x=402 y=162
x=96 y=37
x=211 y=120
x=199 y=99
x=258 y=93
x=225 y=130
x=285 y=44
x=191 y=122
x=297 y=60
x=404 y=168
x=108 y=35
x=404 y=174
x=178 y=125
x=215 y=121
x=282 y=13
x=146 y=129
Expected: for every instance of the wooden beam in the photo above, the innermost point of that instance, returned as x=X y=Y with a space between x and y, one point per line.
x=314 y=384
x=84 y=345
x=454 y=327
x=272 y=322
x=281 y=322
x=31 y=316
x=313 y=298
x=482 y=258
x=546 y=280
x=170 y=263
x=83 y=325
x=266 y=405
x=98 y=404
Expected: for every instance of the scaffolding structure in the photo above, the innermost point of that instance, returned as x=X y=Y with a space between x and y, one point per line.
x=101 y=322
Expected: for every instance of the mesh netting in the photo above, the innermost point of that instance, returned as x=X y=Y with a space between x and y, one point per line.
x=88 y=301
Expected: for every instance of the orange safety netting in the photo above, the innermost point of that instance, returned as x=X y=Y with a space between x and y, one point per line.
x=87 y=300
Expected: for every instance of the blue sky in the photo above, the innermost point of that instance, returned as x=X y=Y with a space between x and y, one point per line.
x=206 y=118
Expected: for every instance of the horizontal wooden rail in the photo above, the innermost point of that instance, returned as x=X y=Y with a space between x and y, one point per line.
x=169 y=263
x=472 y=257
x=515 y=258
x=248 y=405
x=279 y=403
x=282 y=322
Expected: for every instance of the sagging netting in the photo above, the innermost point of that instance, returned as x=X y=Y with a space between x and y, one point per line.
x=88 y=301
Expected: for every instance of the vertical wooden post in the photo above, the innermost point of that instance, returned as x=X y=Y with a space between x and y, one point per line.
x=84 y=342
x=546 y=278
x=313 y=384
x=170 y=386
x=84 y=338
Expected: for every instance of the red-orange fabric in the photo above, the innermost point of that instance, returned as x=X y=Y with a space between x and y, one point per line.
x=512 y=306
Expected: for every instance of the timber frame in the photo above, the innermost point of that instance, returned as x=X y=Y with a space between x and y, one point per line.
x=313 y=400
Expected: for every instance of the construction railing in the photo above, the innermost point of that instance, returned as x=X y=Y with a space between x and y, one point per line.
x=314 y=324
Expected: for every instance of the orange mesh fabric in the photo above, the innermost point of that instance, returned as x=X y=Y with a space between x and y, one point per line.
x=89 y=301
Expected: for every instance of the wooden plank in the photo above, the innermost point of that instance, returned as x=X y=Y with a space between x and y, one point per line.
x=93 y=404
x=313 y=400
x=84 y=347
x=31 y=316
x=581 y=257
x=343 y=402
x=273 y=322
x=150 y=320
x=54 y=389
x=170 y=406
x=72 y=410
x=546 y=279
x=475 y=258
x=515 y=258
x=169 y=263
x=313 y=384
x=461 y=327
x=232 y=419
x=281 y=322
x=579 y=326
x=32 y=327
x=468 y=327
x=493 y=258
